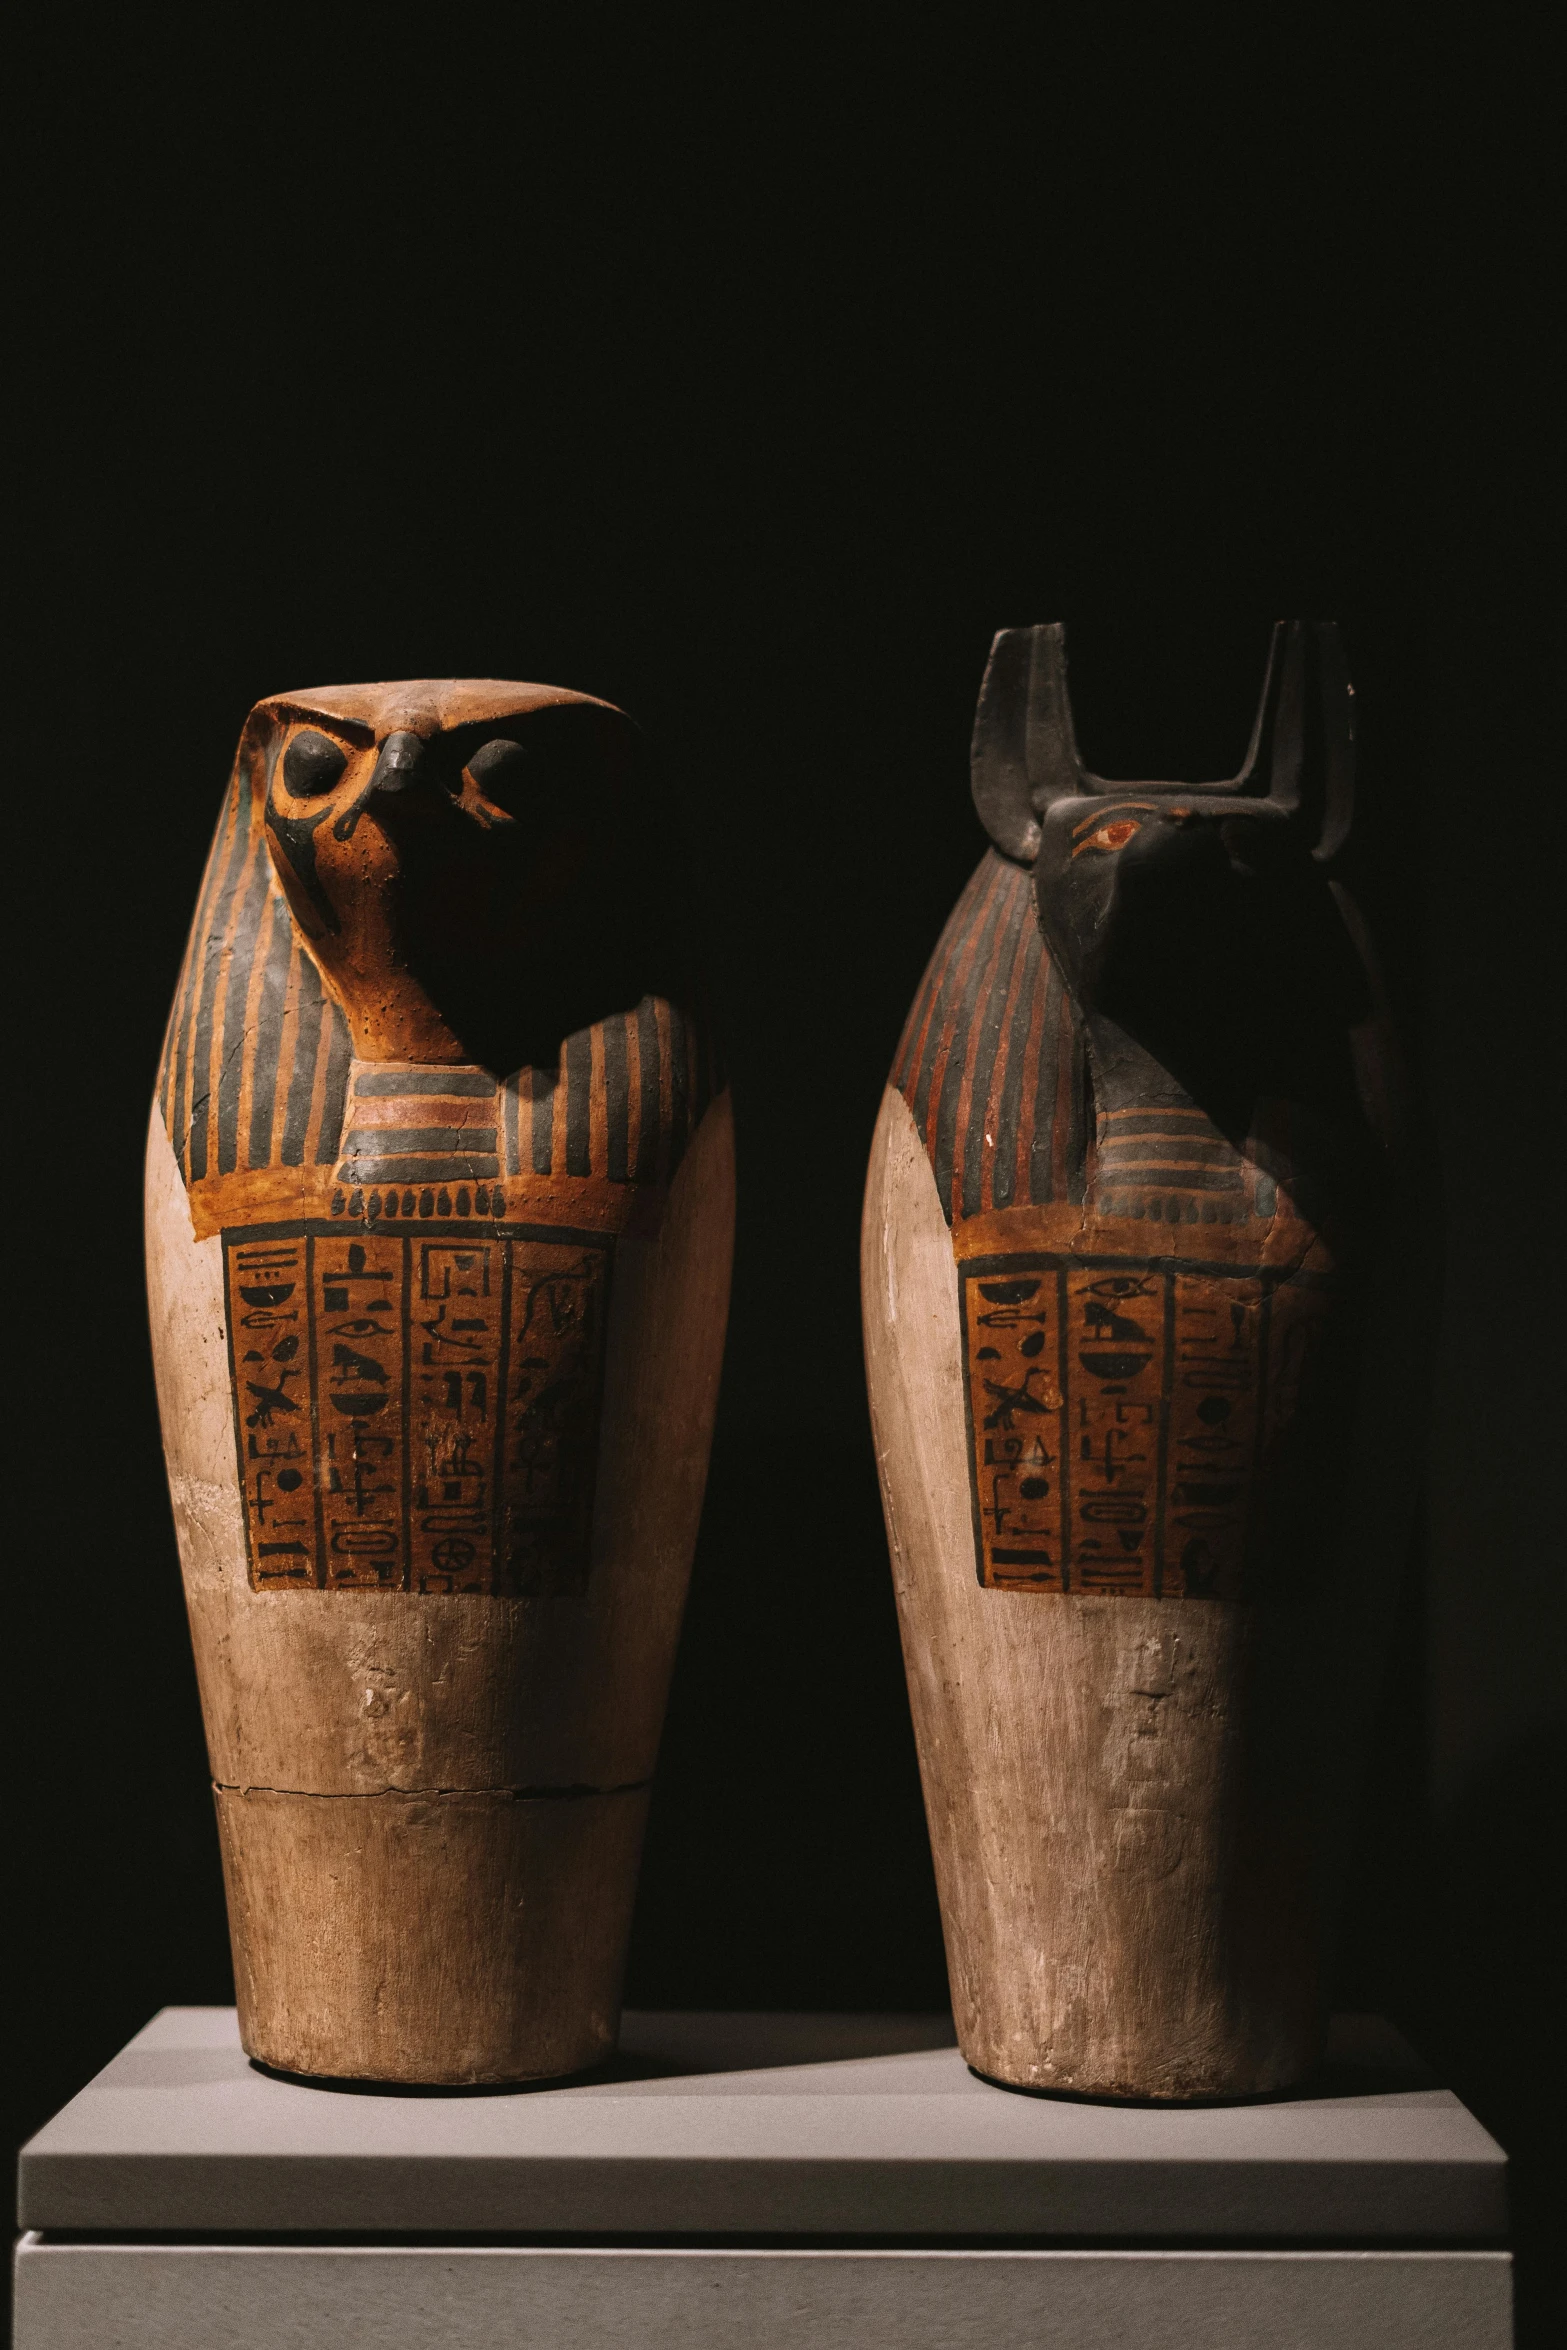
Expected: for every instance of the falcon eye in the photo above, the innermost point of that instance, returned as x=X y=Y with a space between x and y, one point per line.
x=1109 y=836
x=312 y=764
x=500 y=768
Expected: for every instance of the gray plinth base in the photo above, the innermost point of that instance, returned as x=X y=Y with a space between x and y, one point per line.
x=184 y=2297
x=755 y=2181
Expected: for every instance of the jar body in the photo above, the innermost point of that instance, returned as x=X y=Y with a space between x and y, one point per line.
x=437 y=1367
x=1119 y=1384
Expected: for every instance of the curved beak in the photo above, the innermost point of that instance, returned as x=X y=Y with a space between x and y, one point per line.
x=399 y=766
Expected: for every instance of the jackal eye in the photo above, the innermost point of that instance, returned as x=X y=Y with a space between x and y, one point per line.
x=1110 y=836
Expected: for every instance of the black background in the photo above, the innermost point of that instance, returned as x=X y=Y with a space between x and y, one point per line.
x=753 y=389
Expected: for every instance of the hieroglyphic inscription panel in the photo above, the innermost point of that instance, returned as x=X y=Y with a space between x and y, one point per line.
x=417 y=1411
x=1119 y=1411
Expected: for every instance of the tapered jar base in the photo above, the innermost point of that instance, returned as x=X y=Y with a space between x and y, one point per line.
x=1128 y=1952
x=1157 y=2075
x=430 y=1939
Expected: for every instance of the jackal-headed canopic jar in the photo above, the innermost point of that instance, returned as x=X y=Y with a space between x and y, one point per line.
x=1121 y=1215
x=439 y=1217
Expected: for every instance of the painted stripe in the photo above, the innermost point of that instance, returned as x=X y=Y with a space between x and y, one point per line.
x=1124 y=1169
x=250 y=1029
x=213 y=970
x=384 y=1117
x=974 y=1109
x=542 y=1142
x=340 y=1053
x=307 y=1045
x=453 y=1084
x=451 y=1167
x=597 y=1135
x=420 y=1138
x=1024 y=1181
x=1167 y=1150
x=975 y=960
x=1154 y=1121
x=239 y=961
x=1009 y=1116
x=617 y=1096
x=993 y=1151
x=510 y=1112
x=1171 y=1176
x=558 y=1108
x=578 y=1062
x=1050 y=1111
x=269 y=1037
x=1072 y=1162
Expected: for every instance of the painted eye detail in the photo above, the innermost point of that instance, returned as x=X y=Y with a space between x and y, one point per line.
x=500 y=767
x=1110 y=836
x=312 y=765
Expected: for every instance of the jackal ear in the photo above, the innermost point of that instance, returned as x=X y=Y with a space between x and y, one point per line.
x=1024 y=752
x=1302 y=754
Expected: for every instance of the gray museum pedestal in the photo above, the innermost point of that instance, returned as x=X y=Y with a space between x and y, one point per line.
x=755 y=2181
